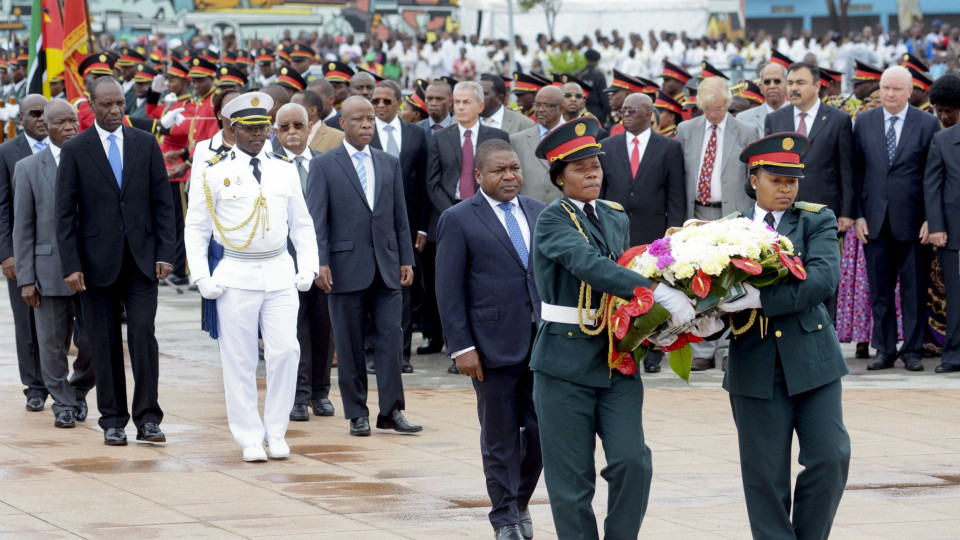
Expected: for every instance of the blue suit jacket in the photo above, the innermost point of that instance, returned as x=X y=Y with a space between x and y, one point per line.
x=486 y=297
x=352 y=238
x=892 y=190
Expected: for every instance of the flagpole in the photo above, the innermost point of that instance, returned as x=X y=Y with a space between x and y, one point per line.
x=86 y=9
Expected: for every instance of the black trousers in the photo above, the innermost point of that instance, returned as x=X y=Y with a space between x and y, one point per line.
x=887 y=258
x=348 y=312
x=179 y=261
x=509 y=440
x=950 y=264
x=28 y=351
x=430 y=314
x=101 y=311
x=313 y=333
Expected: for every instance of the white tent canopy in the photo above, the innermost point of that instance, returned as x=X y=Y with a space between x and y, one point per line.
x=579 y=17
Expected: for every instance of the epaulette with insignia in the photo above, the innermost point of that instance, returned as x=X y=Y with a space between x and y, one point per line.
x=281 y=156
x=809 y=207
x=615 y=205
x=216 y=159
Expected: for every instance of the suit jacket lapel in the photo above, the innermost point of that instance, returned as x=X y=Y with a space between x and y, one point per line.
x=379 y=164
x=788 y=223
x=729 y=145
x=99 y=156
x=346 y=163
x=588 y=226
x=375 y=142
x=488 y=217
x=909 y=126
x=49 y=167
x=129 y=141
x=818 y=123
x=23 y=146
x=652 y=143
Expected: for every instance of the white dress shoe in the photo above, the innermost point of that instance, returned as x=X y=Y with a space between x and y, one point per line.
x=254 y=453
x=277 y=448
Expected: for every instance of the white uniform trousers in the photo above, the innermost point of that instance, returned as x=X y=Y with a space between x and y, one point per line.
x=240 y=312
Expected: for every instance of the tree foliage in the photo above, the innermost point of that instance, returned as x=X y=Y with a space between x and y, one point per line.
x=551 y=8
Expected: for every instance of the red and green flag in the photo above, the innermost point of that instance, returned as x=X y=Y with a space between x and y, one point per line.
x=46 y=46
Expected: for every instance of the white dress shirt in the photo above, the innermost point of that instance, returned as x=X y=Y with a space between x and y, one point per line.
x=384 y=135
x=642 y=141
x=898 y=126
x=474 y=133
x=118 y=134
x=581 y=204
x=544 y=131
x=32 y=143
x=495 y=120
x=306 y=155
x=808 y=120
x=55 y=150
x=367 y=166
x=760 y=213
x=715 y=183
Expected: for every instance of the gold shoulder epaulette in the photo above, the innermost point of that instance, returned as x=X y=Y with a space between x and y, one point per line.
x=615 y=205
x=216 y=159
x=809 y=207
x=280 y=156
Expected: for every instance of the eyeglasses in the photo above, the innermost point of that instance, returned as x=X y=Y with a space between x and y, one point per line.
x=547 y=106
x=259 y=128
x=385 y=101
x=296 y=126
x=631 y=111
x=569 y=95
x=35 y=114
x=768 y=82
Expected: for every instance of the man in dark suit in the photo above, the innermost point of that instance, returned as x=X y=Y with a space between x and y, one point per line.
x=408 y=143
x=828 y=171
x=363 y=263
x=643 y=171
x=597 y=102
x=116 y=233
x=450 y=179
x=293 y=127
x=439 y=98
x=941 y=190
x=490 y=309
x=890 y=155
x=31 y=141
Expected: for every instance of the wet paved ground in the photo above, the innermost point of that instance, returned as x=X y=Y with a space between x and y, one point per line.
x=55 y=483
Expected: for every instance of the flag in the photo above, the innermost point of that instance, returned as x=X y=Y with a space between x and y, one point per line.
x=75 y=38
x=46 y=44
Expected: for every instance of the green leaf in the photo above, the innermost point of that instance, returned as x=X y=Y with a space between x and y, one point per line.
x=680 y=362
x=642 y=327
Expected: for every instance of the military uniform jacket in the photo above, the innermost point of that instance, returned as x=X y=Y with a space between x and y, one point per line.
x=233 y=195
x=562 y=258
x=800 y=330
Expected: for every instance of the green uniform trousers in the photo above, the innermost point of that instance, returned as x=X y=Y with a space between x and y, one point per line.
x=571 y=416
x=765 y=430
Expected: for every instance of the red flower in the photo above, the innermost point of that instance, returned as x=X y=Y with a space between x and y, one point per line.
x=798 y=269
x=692 y=338
x=621 y=322
x=680 y=343
x=642 y=301
x=786 y=260
x=747 y=265
x=629 y=254
x=701 y=284
x=627 y=365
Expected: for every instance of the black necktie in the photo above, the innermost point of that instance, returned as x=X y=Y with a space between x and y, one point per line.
x=768 y=219
x=592 y=216
x=256 y=168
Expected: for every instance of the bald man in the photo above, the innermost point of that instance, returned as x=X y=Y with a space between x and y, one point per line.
x=890 y=155
x=548 y=109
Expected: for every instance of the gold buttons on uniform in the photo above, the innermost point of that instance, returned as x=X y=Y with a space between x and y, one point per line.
x=779 y=333
x=819 y=327
x=569 y=334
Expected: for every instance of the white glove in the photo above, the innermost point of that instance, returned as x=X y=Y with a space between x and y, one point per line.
x=749 y=301
x=159 y=84
x=304 y=280
x=706 y=326
x=12 y=111
x=4 y=115
x=171 y=118
x=209 y=289
x=170 y=99
x=677 y=303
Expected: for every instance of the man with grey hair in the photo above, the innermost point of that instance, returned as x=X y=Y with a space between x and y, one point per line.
x=450 y=179
x=714 y=175
x=773 y=86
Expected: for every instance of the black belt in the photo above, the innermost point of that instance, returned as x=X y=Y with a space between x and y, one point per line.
x=709 y=205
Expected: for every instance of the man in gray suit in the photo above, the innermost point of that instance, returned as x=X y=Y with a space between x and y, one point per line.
x=495 y=114
x=773 y=86
x=548 y=109
x=715 y=176
x=39 y=273
x=355 y=196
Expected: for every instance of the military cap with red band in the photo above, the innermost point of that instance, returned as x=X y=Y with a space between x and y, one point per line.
x=920 y=79
x=865 y=72
x=243 y=58
x=229 y=58
x=708 y=70
x=667 y=103
x=265 y=55
x=910 y=60
x=525 y=83
x=145 y=74
x=622 y=81
x=828 y=76
x=301 y=52
x=96 y=64
x=337 y=71
x=751 y=91
x=560 y=79
x=201 y=67
x=778 y=154
x=572 y=141
x=283 y=51
x=231 y=75
x=289 y=78
x=130 y=57
x=418 y=98
x=177 y=69
x=673 y=71
x=777 y=57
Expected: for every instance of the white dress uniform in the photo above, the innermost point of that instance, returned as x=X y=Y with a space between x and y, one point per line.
x=256 y=275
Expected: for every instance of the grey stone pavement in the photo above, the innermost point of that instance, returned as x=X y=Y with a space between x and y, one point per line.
x=54 y=483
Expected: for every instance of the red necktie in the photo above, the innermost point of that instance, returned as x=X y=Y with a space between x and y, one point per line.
x=635 y=157
x=706 y=171
x=467 y=183
x=802 y=127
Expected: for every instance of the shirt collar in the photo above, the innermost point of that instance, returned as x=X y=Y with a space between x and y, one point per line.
x=31 y=142
x=104 y=133
x=352 y=151
x=812 y=113
x=581 y=204
x=495 y=203
x=475 y=130
x=306 y=153
x=902 y=115
x=55 y=150
x=497 y=116
x=760 y=213
x=544 y=131
x=643 y=137
x=395 y=123
x=771 y=109
x=720 y=127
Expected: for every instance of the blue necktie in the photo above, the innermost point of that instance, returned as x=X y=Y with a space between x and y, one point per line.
x=891 y=140
x=114 y=156
x=362 y=173
x=40 y=145
x=513 y=228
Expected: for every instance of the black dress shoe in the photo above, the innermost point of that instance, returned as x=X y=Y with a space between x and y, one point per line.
x=299 y=412
x=81 y=409
x=913 y=363
x=65 y=419
x=453 y=368
x=946 y=368
x=397 y=422
x=430 y=346
x=526 y=522
x=651 y=368
x=114 y=437
x=406 y=368
x=863 y=351
x=322 y=407
x=360 y=427
x=509 y=532
x=35 y=403
x=150 y=432
x=882 y=361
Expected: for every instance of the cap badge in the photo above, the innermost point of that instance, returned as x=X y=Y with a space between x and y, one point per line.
x=580 y=130
x=331 y=65
x=788 y=144
x=226 y=182
x=196 y=61
x=564 y=78
x=103 y=58
x=255 y=101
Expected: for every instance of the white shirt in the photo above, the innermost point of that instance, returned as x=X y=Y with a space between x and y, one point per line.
x=715 y=184
x=760 y=213
x=55 y=150
x=474 y=133
x=642 y=141
x=307 y=156
x=581 y=204
x=32 y=143
x=495 y=120
x=384 y=135
x=118 y=134
x=771 y=109
x=898 y=126
x=367 y=166
x=809 y=119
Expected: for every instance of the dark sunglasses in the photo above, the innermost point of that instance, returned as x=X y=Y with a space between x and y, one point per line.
x=630 y=112
x=548 y=106
x=35 y=114
x=296 y=126
x=385 y=101
x=578 y=96
x=768 y=82
x=257 y=128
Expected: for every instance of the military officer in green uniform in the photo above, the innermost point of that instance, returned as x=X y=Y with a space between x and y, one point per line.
x=785 y=362
x=577 y=240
